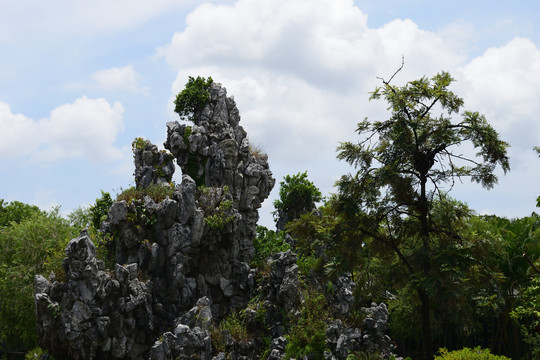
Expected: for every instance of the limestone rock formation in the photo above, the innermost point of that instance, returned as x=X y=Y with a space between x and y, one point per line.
x=94 y=313
x=169 y=252
x=151 y=165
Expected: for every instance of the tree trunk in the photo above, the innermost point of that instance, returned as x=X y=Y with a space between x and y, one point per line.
x=427 y=349
x=425 y=301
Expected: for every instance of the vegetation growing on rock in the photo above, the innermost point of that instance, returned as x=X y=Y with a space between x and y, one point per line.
x=193 y=97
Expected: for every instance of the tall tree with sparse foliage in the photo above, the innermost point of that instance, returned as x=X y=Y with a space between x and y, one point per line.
x=407 y=163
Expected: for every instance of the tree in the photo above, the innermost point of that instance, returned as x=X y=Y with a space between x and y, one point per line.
x=297 y=195
x=15 y=211
x=193 y=98
x=402 y=166
x=100 y=210
x=33 y=246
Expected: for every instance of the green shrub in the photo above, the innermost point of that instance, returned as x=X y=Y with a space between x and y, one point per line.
x=297 y=196
x=80 y=218
x=220 y=218
x=193 y=98
x=468 y=354
x=266 y=243
x=100 y=209
x=527 y=313
x=235 y=324
x=15 y=211
x=34 y=246
x=217 y=206
x=105 y=247
x=308 y=264
x=307 y=336
x=157 y=192
x=187 y=134
x=35 y=354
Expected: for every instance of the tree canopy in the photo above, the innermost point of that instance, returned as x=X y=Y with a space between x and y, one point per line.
x=193 y=98
x=405 y=167
x=15 y=211
x=297 y=195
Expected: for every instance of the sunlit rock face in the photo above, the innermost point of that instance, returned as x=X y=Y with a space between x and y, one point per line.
x=169 y=253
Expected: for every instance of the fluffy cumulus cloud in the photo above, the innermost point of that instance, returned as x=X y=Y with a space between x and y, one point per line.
x=86 y=128
x=301 y=73
x=120 y=78
x=326 y=43
x=504 y=83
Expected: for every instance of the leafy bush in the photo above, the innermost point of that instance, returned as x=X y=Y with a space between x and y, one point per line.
x=527 y=312
x=34 y=246
x=193 y=98
x=235 y=324
x=157 y=192
x=220 y=217
x=297 y=195
x=468 y=354
x=266 y=243
x=35 y=354
x=217 y=205
x=15 y=211
x=80 y=218
x=100 y=209
x=307 y=336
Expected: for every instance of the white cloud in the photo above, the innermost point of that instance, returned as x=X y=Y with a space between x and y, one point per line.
x=120 y=78
x=86 y=128
x=301 y=72
x=503 y=83
x=17 y=133
x=327 y=43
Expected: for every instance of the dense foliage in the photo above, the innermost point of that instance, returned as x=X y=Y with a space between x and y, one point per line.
x=297 y=195
x=307 y=335
x=266 y=243
x=468 y=354
x=193 y=98
x=15 y=211
x=34 y=245
x=100 y=209
x=397 y=197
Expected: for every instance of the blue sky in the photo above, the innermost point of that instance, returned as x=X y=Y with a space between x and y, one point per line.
x=79 y=80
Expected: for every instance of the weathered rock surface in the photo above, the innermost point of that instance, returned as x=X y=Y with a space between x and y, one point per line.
x=151 y=165
x=283 y=289
x=95 y=313
x=370 y=338
x=343 y=296
x=190 y=338
x=195 y=244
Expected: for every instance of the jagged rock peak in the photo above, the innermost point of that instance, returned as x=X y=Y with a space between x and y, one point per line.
x=151 y=165
x=193 y=243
